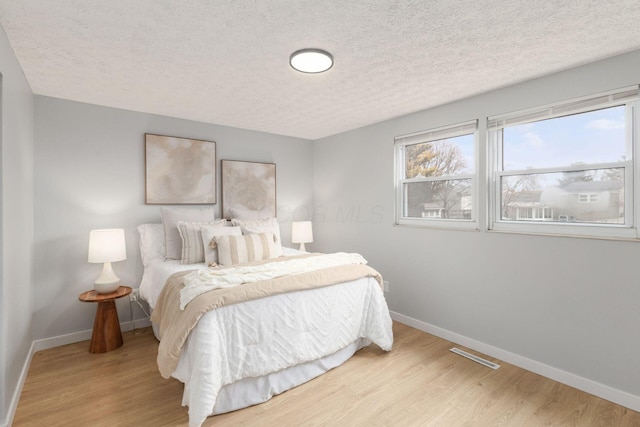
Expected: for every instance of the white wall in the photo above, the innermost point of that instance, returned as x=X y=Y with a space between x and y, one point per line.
x=16 y=232
x=569 y=303
x=89 y=173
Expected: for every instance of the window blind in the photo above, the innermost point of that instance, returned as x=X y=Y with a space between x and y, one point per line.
x=438 y=133
x=594 y=102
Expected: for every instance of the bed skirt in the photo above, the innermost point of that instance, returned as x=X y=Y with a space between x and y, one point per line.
x=253 y=391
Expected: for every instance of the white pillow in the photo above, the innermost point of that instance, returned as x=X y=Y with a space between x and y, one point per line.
x=170 y=218
x=244 y=213
x=151 y=242
x=192 y=247
x=250 y=247
x=254 y=226
x=210 y=246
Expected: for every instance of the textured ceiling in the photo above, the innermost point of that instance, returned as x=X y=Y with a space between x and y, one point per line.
x=226 y=61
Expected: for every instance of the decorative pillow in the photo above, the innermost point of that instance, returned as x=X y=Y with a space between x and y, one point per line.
x=210 y=245
x=250 y=247
x=151 y=242
x=244 y=213
x=192 y=247
x=170 y=218
x=254 y=226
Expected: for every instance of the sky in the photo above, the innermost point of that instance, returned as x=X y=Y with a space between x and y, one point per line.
x=593 y=137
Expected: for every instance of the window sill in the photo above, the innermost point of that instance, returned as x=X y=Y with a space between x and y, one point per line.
x=438 y=224
x=586 y=231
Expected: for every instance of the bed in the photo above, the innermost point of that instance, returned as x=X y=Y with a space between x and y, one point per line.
x=243 y=353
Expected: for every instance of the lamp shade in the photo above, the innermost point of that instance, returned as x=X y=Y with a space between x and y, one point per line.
x=301 y=232
x=107 y=245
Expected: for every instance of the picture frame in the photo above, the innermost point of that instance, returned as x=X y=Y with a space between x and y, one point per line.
x=248 y=186
x=179 y=170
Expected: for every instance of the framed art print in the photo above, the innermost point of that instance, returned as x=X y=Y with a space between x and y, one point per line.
x=248 y=185
x=179 y=170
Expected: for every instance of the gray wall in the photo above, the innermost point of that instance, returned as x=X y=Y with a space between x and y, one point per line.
x=89 y=173
x=16 y=233
x=569 y=303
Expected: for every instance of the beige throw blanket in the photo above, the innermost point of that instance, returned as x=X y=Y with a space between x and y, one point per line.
x=207 y=279
x=175 y=324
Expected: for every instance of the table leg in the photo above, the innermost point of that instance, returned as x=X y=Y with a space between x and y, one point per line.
x=106 y=334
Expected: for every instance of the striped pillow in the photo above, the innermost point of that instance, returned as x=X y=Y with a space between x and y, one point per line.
x=208 y=241
x=171 y=216
x=256 y=226
x=192 y=246
x=250 y=247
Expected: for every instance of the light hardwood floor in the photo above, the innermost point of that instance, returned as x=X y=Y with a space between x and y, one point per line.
x=419 y=383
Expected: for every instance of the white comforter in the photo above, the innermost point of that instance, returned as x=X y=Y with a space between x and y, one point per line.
x=269 y=334
x=258 y=337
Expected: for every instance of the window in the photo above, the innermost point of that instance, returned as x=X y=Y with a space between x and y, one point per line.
x=588 y=197
x=436 y=178
x=566 y=169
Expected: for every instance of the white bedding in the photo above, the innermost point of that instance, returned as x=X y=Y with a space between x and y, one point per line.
x=155 y=276
x=255 y=390
x=157 y=271
x=242 y=346
x=269 y=334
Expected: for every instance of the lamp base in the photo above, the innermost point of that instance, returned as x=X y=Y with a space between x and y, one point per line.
x=302 y=248
x=106 y=288
x=107 y=282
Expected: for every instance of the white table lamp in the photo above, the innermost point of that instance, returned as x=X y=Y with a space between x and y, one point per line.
x=301 y=232
x=107 y=246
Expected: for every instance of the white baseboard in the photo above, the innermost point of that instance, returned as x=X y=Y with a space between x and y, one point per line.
x=13 y=406
x=47 y=343
x=603 y=391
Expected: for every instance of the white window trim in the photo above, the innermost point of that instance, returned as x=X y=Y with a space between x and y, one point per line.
x=626 y=96
x=436 y=134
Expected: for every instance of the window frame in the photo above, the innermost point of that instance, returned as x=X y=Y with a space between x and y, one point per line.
x=627 y=97
x=436 y=134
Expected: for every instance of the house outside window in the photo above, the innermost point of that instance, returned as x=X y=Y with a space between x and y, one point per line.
x=436 y=178
x=566 y=168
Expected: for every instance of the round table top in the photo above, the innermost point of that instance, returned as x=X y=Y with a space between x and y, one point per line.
x=93 y=296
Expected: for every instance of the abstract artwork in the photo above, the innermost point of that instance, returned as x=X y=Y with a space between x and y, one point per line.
x=179 y=170
x=248 y=185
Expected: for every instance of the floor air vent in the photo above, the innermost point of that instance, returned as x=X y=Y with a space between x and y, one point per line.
x=475 y=358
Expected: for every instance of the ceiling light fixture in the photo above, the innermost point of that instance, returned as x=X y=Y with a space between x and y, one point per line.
x=311 y=60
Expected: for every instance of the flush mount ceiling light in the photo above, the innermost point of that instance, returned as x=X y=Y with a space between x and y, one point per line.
x=311 y=60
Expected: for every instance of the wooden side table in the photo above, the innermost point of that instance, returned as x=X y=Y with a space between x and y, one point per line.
x=106 y=334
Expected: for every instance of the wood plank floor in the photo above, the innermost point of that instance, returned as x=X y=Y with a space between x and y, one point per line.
x=419 y=383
